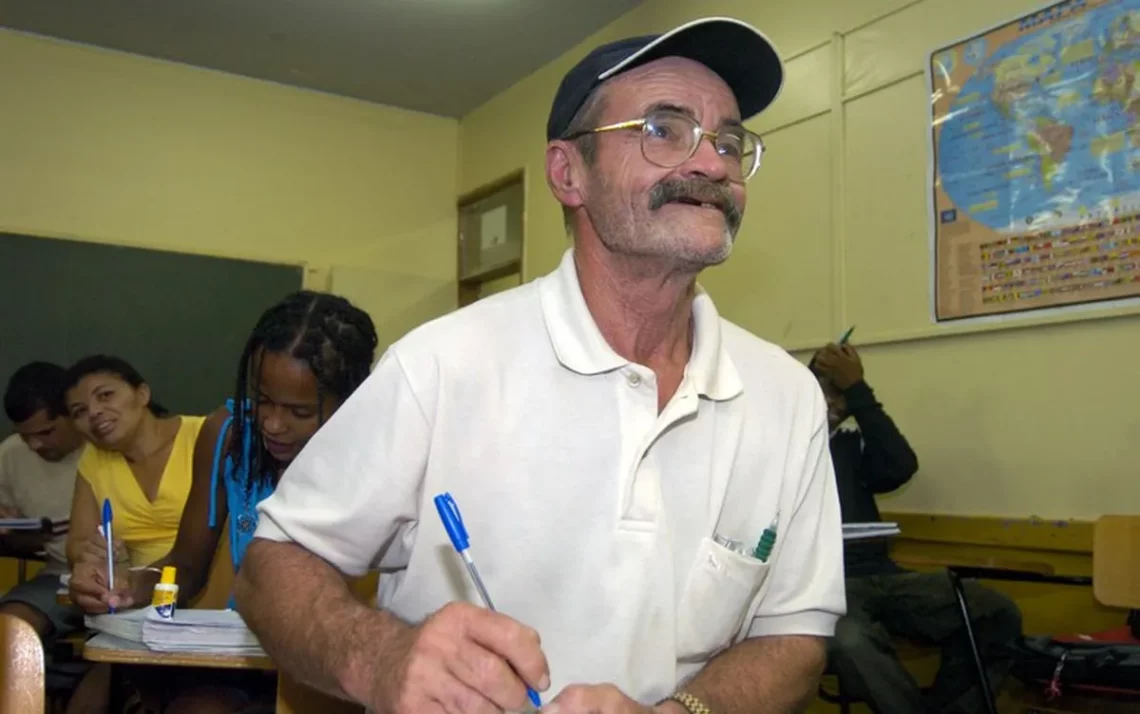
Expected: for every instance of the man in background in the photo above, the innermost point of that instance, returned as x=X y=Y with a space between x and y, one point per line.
x=37 y=478
x=884 y=600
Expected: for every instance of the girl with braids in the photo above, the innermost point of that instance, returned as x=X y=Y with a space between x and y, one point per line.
x=305 y=356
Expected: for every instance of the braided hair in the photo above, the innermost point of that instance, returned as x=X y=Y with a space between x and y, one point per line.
x=334 y=338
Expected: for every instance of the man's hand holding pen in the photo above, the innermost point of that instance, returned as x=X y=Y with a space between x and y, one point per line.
x=463 y=658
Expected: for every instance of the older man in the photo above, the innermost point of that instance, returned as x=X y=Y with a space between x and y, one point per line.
x=647 y=486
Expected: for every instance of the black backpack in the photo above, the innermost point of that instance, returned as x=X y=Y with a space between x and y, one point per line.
x=1134 y=623
x=1059 y=666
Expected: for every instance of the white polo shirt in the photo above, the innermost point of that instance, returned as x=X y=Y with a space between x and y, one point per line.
x=591 y=516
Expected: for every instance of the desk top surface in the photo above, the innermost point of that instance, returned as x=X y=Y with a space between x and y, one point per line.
x=990 y=563
x=107 y=648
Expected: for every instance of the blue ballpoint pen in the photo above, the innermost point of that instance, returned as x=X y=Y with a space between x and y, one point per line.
x=110 y=547
x=453 y=524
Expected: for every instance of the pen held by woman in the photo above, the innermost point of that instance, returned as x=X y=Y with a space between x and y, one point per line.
x=90 y=588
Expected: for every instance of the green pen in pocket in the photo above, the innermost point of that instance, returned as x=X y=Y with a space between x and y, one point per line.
x=767 y=542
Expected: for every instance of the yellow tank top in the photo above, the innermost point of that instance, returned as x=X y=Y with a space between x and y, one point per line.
x=148 y=529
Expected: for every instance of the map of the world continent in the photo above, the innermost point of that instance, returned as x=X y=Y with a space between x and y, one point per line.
x=1035 y=147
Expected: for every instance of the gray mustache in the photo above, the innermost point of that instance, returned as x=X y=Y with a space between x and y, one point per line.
x=700 y=191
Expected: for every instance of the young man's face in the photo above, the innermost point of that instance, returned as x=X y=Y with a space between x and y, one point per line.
x=51 y=437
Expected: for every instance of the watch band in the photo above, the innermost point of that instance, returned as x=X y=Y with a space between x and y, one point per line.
x=691 y=703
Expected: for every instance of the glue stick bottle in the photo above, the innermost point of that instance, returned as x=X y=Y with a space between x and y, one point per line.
x=166 y=594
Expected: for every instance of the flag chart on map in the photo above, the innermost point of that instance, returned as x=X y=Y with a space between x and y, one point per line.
x=1035 y=163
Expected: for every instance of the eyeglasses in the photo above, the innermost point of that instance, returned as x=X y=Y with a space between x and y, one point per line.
x=669 y=139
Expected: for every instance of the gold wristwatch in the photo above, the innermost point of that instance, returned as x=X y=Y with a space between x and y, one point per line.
x=691 y=703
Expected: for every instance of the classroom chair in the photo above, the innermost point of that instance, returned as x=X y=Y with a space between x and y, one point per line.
x=21 y=667
x=1116 y=562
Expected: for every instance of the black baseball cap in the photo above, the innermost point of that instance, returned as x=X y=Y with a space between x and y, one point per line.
x=738 y=52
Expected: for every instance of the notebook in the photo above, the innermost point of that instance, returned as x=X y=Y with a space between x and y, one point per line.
x=124 y=625
x=212 y=631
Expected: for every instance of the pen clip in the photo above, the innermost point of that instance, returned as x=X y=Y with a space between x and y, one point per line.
x=107 y=511
x=452 y=520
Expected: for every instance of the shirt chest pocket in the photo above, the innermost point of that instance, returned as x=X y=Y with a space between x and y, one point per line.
x=717 y=597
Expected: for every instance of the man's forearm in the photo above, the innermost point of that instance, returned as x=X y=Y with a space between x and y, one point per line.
x=309 y=622
x=764 y=675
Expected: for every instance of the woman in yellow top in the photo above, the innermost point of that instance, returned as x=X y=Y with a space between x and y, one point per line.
x=139 y=458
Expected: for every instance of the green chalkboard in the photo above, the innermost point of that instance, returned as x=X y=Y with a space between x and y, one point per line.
x=180 y=319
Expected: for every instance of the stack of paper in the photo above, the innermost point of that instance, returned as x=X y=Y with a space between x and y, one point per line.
x=863 y=531
x=124 y=625
x=214 y=631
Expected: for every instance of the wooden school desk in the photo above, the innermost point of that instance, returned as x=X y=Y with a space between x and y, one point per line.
x=113 y=650
x=292 y=697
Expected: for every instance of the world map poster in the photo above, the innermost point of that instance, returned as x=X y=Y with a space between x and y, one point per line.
x=1035 y=163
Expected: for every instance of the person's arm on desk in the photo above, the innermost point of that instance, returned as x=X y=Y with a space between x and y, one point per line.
x=762 y=675
x=765 y=675
x=309 y=621
x=338 y=510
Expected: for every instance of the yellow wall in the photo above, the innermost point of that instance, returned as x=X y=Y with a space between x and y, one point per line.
x=102 y=146
x=109 y=147
x=1037 y=421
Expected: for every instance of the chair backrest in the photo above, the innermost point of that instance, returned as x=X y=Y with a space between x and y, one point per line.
x=1116 y=561
x=21 y=667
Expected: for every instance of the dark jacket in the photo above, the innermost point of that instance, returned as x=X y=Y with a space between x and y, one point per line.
x=876 y=459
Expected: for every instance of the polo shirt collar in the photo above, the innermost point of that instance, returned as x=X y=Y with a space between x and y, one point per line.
x=579 y=345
